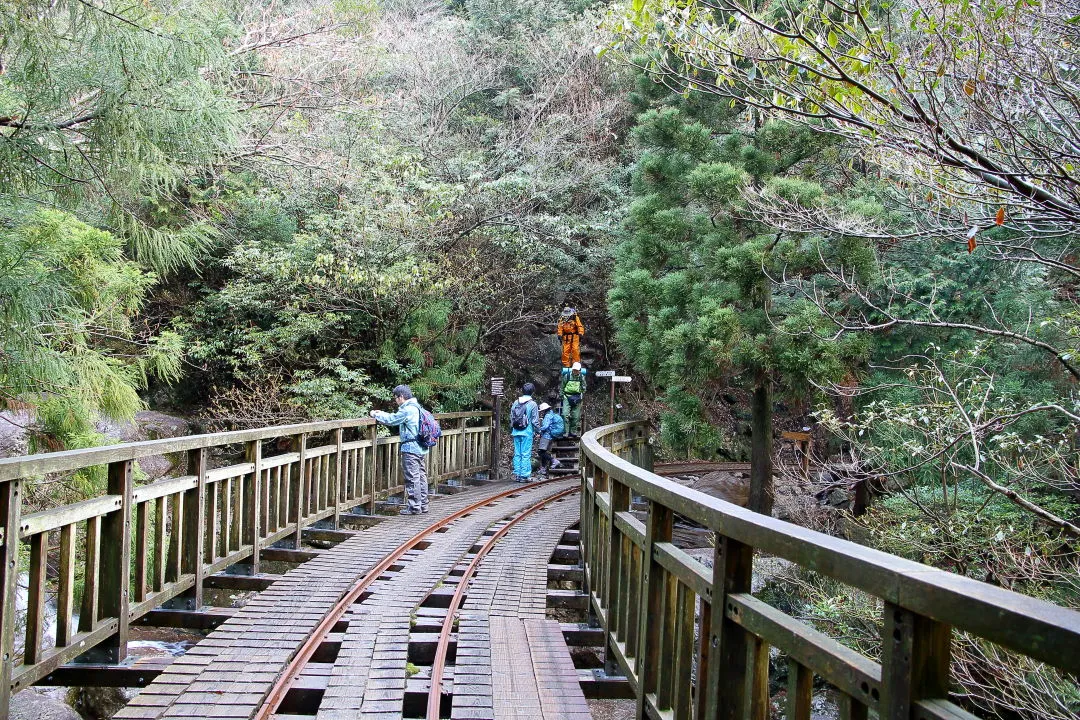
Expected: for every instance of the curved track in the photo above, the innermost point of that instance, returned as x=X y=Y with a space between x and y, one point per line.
x=307 y=650
x=439 y=666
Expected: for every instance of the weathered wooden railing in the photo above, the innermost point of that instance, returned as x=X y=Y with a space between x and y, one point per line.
x=668 y=618
x=139 y=546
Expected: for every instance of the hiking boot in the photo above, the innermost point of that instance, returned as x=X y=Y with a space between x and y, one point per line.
x=409 y=511
x=423 y=510
x=555 y=463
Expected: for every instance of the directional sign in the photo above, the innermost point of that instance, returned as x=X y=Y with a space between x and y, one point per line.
x=497 y=386
x=621 y=378
x=604 y=373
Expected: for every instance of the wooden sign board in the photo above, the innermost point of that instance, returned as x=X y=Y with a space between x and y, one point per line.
x=498 y=386
x=604 y=373
x=621 y=378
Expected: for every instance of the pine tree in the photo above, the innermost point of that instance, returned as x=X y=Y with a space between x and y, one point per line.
x=694 y=298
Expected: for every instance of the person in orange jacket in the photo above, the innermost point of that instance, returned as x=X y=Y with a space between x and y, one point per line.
x=570 y=331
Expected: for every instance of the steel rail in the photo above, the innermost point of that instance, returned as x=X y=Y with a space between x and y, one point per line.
x=296 y=665
x=439 y=666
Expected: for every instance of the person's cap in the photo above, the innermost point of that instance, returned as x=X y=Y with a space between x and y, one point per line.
x=576 y=366
x=544 y=406
x=568 y=311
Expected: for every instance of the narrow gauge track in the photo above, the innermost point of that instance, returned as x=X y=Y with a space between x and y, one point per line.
x=439 y=666
x=308 y=649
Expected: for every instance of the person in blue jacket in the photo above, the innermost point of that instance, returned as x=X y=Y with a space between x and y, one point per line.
x=551 y=427
x=407 y=421
x=524 y=423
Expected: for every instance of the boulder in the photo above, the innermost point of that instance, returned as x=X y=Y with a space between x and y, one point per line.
x=32 y=704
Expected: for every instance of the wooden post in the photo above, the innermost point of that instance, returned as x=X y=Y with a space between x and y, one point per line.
x=653 y=588
x=496 y=435
x=65 y=600
x=35 y=603
x=611 y=409
x=116 y=563
x=10 y=514
x=729 y=669
x=800 y=691
x=254 y=528
x=335 y=487
x=616 y=588
x=373 y=478
x=462 y=458
x=194 y=505
x=916 y=654
x=300 y=491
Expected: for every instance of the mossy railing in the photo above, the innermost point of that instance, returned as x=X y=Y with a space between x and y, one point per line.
x=139 y=546
x=694 y=642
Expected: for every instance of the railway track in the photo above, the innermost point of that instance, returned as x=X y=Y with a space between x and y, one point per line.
x=502 y=511
x=439 y=665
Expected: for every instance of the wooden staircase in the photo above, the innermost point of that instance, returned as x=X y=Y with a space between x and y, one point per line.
x=565 y=450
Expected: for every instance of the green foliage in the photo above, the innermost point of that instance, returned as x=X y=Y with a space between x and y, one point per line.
x=695 y=300
x=67 y=346
x=104 y=104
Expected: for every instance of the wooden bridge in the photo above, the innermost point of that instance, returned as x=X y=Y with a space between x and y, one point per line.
x=447 y=614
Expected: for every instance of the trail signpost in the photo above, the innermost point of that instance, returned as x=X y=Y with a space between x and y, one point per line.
x=614 y=378
x=498 y=389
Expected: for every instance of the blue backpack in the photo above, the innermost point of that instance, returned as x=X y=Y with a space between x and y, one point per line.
x=429 y=430
x=558 y=425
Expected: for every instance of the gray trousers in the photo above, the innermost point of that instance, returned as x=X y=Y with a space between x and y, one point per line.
x=415 y=474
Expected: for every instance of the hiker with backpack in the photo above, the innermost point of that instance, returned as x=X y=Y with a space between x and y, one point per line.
x=551 y=427
x=524 y=423
x=570 y=331
x=419 y=431
x=572 y=386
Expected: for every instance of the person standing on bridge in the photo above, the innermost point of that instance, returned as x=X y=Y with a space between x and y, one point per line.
x=570 y=331
x=524 y=423
x=407 y=421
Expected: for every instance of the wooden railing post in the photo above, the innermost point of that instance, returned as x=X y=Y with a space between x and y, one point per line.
x=653 y=588
x=254 y=528
x=373 y=479
x=730 y=673
x=616 y=593
x=10 y=512
x=116 y=563
x=462 y=457
x=300 y=494
x=335 y=487
x=916 y=654
x=194 y=509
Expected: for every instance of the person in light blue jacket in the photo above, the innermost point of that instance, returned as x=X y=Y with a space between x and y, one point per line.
x=524 y=424
x=551 y=427
x=407 y=421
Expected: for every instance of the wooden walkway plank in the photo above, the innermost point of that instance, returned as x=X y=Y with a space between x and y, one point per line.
x=239 y=647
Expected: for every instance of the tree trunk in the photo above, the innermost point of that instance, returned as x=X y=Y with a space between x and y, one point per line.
x=761 y=474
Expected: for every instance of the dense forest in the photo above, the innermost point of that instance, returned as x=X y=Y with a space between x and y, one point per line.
x=862 y=218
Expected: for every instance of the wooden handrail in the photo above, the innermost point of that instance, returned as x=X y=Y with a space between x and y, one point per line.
x=644 y=590
x=65 y=460
x=162 y=539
